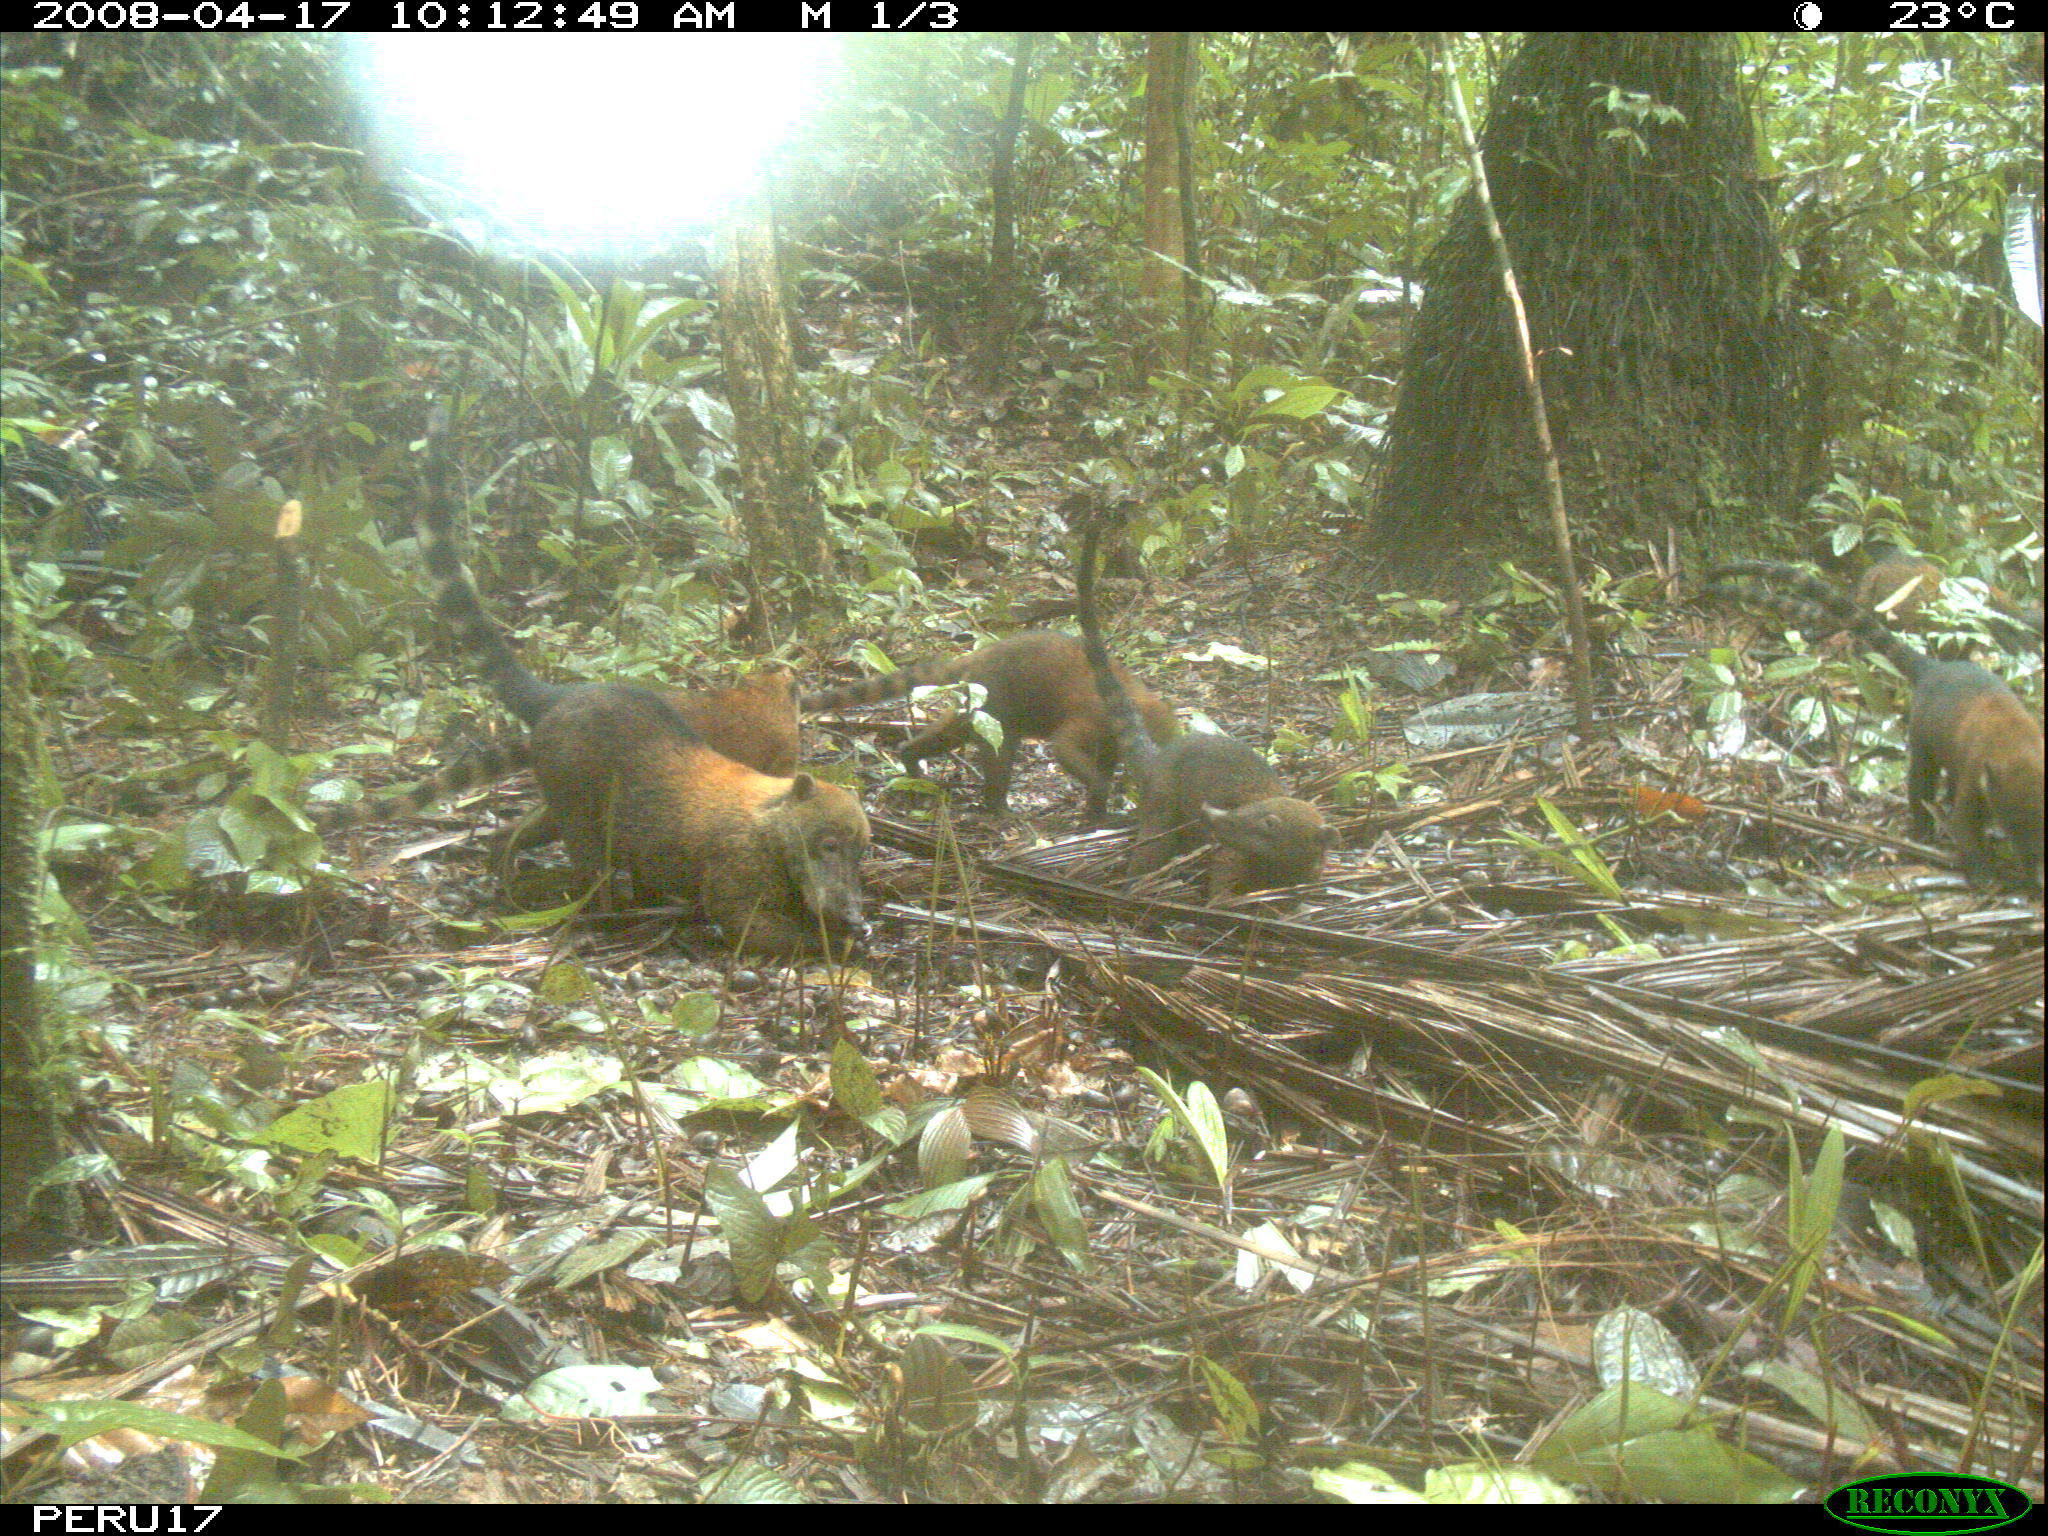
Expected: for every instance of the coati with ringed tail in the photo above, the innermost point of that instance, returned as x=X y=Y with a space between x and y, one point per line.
x=754 y=721
x=1898 y=584
x=1201 y=787
x=1964 y=722
x=629 y=782
x=1040 y=688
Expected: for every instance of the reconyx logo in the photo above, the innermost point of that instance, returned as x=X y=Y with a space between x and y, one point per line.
x=1925 y=1502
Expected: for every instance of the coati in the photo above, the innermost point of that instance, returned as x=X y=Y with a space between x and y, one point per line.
x=1202 y=787
x=1964 y=722
x=1039 y=688
x=630 y=783
x=755 y=722
x=1896 y=583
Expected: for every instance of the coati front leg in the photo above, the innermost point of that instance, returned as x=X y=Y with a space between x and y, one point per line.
x=1968 y=814
x=1230 y=872
x=1923 y=783
x=587 y=826
x=949 y=731
x=754 y=924
x=998 y=767
x=955 y=729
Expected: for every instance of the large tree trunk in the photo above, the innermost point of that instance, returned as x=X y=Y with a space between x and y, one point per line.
x=788 y=554
x=1623 y=168
x=1160 y=277
x=34 y=1097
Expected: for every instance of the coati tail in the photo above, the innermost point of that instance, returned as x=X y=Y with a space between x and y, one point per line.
x=485 y=766
x=455 y=592
x=888 y=685
x=1134 y=745
x=1800 y=597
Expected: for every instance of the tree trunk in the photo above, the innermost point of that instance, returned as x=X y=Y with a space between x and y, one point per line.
x=34 y=1096
x=1001 y=322
x=1160 y=277
x=788 y=554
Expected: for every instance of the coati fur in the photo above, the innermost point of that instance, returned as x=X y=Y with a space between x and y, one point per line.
x=1202 y=788
x=1039 y=689
x=754 y=721
x=773 y=860
x=1965 y=723
x=630 y=783
x=1895 y=583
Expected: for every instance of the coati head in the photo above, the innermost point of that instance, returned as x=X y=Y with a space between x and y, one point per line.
x=820 y=835
x=1282 y=839
x=1896 y=583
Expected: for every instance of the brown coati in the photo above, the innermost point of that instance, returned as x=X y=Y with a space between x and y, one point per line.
x=1202 y=788
x=1896 y=583
x=628 y=786
x=631 y=784
x=1039 y=689
x=1965 y=723
x=754 y=722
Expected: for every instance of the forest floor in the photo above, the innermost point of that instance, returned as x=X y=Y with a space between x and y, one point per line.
x=1076 y=1191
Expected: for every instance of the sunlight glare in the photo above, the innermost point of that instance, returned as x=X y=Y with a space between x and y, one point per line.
x=611 y=146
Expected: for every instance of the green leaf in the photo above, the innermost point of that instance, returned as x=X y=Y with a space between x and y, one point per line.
x=71 y=1422
x=943 y=1146
x=752 y=1233
x=566 y=984
x=1235 y=1407
x=1203 y=1125
x=349 y=1122
x=696 y=1013
x=590 y=1392
x=855 y=1088
x=746 y=1481
x=1813 y=1200
x=1300 y=402
x=947 y=1197
x=1052 y=1196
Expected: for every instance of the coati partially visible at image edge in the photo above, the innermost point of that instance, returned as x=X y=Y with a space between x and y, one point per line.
x=775 y=861
x=1202 y=787
x=1964 y=722
x=1041 y=689
x=1897 y=585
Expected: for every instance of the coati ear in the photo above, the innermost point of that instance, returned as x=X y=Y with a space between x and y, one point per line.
x=801 y=788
